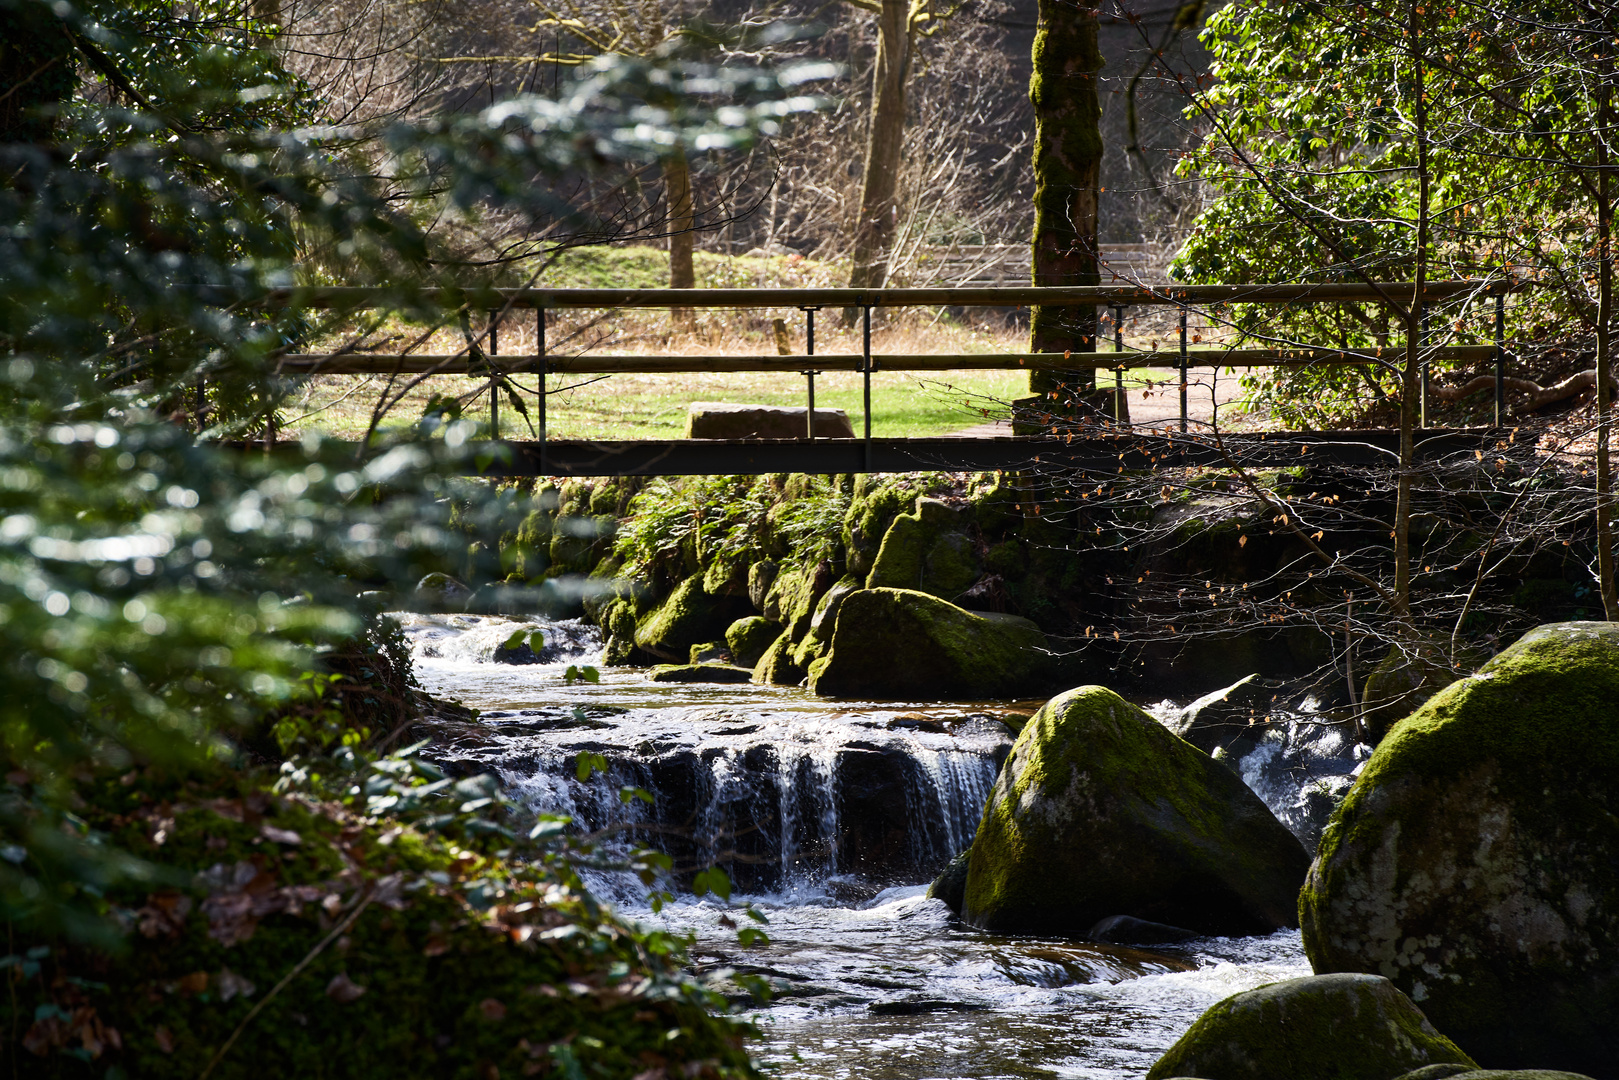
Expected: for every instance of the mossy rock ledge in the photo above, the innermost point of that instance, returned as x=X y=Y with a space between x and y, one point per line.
x=1476 y=860
x=1100 y=811
x=1329 y=1027
x=905 y=643
x=690 y=616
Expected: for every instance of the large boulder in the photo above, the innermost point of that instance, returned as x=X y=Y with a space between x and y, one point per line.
x=904 y=643
x=749 y=637
x=1100 y=811
x=1330 y=1027
x=1476 y=860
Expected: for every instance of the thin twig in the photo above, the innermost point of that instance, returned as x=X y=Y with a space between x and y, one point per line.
x=337 y=931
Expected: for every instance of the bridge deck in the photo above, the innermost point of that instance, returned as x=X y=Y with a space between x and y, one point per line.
x=1098 y=453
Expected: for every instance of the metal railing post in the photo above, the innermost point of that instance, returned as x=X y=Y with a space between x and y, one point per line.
x=865 y=367
x=1500 y=359
x=809 y=376
x=1118 y=369
x=539 y=349
x=1183 y=369
x=494 y=378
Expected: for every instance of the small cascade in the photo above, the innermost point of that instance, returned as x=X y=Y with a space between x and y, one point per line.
x=783 y=791
x=778 y=818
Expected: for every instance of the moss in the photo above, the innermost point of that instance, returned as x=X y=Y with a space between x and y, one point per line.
x=926 y=550
x=709 y=652
x=1397 y=687
x=903 y=643
x=776 y=667
x=726 y=577
x=1331 y=1027
x=749 y=637
x=690 y=616
x=1100 y=811
x=816 y=638
x=419 y=983
x=870 y=513
x=701 y=673
x=898 y=564
x=1476 y=860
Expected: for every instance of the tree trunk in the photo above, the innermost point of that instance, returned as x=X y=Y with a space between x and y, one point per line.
x=1067 y=167
x=1605 y=572
x=1411 y=374
x=884 y=138
x=37 y=73
x=682 y=273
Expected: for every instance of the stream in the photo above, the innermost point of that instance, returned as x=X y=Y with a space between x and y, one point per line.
x=831 y=817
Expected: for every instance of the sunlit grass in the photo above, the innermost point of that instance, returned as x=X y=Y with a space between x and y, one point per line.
x=627 y=406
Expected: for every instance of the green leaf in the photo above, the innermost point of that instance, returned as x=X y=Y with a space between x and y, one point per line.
x=712 y=880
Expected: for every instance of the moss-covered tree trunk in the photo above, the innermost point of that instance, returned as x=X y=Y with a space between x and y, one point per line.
x=682 y=219
x=1067 y=167
x=884 y=138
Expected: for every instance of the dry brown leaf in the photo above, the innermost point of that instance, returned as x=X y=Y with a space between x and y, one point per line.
x=164 y=1039
x=343 y=989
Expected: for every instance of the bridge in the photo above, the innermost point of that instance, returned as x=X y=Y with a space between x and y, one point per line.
x=1107 y=445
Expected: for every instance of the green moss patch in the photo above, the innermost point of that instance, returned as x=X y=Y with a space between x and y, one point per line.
x=1100 y=811
x=1330 y=1027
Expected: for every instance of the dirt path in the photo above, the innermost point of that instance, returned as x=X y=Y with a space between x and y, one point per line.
x=1154 y=402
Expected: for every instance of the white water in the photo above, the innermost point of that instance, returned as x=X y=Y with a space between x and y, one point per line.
x=872 y=980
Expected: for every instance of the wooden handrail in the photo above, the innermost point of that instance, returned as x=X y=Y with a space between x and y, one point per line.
x=592 y=364
x=346 y=297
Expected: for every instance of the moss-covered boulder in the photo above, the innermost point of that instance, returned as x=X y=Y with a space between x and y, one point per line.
x=749 y=637
x=1476 y=860
x=928 y=550
x=690 y=616
x=1401 y=683
x=874 y=506
x=951 y=884
x=903 y=643
x=1330 y=1027
x=1100 y=811
x=777 y=666
x=1226 y=718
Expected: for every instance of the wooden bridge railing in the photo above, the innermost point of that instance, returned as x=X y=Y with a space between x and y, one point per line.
x=500 y=304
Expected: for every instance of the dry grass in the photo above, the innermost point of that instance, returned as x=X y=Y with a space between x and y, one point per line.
x=654 y=406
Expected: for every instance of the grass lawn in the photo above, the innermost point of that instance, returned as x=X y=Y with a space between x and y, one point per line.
x=904 y=404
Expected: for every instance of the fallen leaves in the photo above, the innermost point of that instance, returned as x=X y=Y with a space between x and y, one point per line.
x=244 y=893
x=343 y=989
x=163 y=914
x=57 y=1029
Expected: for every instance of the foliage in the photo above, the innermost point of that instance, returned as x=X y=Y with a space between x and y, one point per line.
x=448 y=939
x=1315 y=155
x=730 y=519
x=178 y=615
